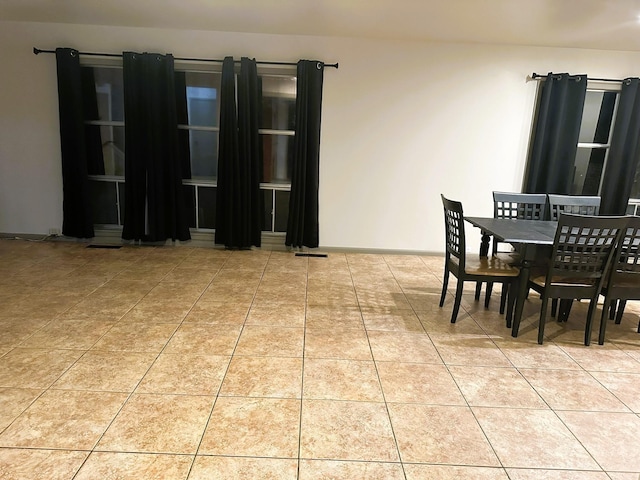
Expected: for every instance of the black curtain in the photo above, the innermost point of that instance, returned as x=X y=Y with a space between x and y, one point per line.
x=93 y=135
x=624 y=151
x=154 y=206
x=238 y=201
x=302 y=226
x=552 y=154
x=76 y=204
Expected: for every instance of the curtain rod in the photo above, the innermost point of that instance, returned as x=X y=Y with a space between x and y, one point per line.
x=535 y=76
x=36 y=51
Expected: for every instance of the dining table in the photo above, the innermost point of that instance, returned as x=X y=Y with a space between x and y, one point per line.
x=529 y=238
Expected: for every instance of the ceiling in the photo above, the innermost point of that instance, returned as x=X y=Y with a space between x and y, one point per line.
x=599 y=24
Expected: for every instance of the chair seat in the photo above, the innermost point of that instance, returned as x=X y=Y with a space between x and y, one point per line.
x=562 y=281
x=491 y=266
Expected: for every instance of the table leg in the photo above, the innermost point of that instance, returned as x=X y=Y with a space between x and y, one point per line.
x=484 y=244
x=521 y=294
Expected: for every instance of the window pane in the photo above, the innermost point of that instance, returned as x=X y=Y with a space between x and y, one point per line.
x=190 y=203
x=278 y=102
x=597 y=116
x=282 y=210
x=105 y=150
x=203 y=146
x=207 y=207
x=107 y=96
x=278 y=158
x=267 y=219
x=197 y=93
x=104 y=202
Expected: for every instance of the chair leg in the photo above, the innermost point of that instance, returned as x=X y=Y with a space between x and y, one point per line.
x=543 y=315
x=503 y=297
x=589 y=326
x=620 y=311
x=445 y=283
x=478 y=290
x=457 y=301
x=564 y=309
x=638 y=326
x=612 y=309
x=554 y=307
x=512 y=292
x=488 y=294
x=603 y=325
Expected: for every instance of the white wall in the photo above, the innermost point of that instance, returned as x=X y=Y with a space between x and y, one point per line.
x=402 y=122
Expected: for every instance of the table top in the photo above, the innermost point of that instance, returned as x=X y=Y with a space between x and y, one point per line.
x=512 y=230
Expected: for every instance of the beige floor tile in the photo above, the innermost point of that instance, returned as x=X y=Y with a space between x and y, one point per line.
x=185 y=374
x=334 y=379
x=136 y=337
x=418 y=383
x=158 y=424
x=30 y=464
x=15 y=330
x=625 y=386
x=218 y=313
x=528 y=355
x=204 y=339
x=532 y=439
x=334 y=470
x=35 y=368
x=14 y=401
x=342 y=430
x=468 y=350
x=270 y=341
x=64 y=419
x=585 y=392
x=276 y=314
x=149 y=311
x=134 y=466
x=279 y=377
x=106 y=371
x=326 y=317
x=342 y=343
x=495 y=387
x=611 y=438
x=371 y=298
x=434 y=322
x=440 y=434
x=530 y=474
x=607 y=358
x=403 y=347
x=242 y=468
x=265 y=427
x=624 y=475
x=392 y=320
x=450 y=472
x=69 y=334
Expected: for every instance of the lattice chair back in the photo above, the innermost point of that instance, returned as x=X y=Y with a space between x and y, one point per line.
x=573 y=204
x=527 y=206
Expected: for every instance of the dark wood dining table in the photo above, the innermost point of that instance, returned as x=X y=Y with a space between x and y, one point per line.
x=529 y=237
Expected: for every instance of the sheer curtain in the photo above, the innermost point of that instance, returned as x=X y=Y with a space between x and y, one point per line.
x=302 y=227
x=154 y=200
x=76 y=204
x=553 y=151
x=624 y=151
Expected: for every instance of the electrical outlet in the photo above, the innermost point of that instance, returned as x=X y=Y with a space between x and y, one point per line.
x=54 y=232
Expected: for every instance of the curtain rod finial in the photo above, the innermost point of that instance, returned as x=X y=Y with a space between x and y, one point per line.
x=36 y=51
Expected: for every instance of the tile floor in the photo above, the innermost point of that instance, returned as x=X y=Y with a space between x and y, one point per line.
x=179 y=362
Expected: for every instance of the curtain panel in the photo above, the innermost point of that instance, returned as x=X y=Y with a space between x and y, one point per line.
x=154 y=199
x=302 y=226
x=624 y=151
x=76 y=203
x=238 y=199
x=555 y=141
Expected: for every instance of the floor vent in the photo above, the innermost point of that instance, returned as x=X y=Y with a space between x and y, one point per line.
x=97 y=245
x=305 y=254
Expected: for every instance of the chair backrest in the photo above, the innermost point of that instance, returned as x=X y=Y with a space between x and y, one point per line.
x=576 y=204
x=584 y=246
x=527 y=206
x=454 y=230
x=627 y=261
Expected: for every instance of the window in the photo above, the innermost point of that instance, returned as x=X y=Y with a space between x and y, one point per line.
x=197 y=104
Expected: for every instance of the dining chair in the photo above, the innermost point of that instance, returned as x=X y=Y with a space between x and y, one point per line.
x=527 y=206
x=468 y=268
x=583 y=249
x=623 y=281
x=576 y=204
